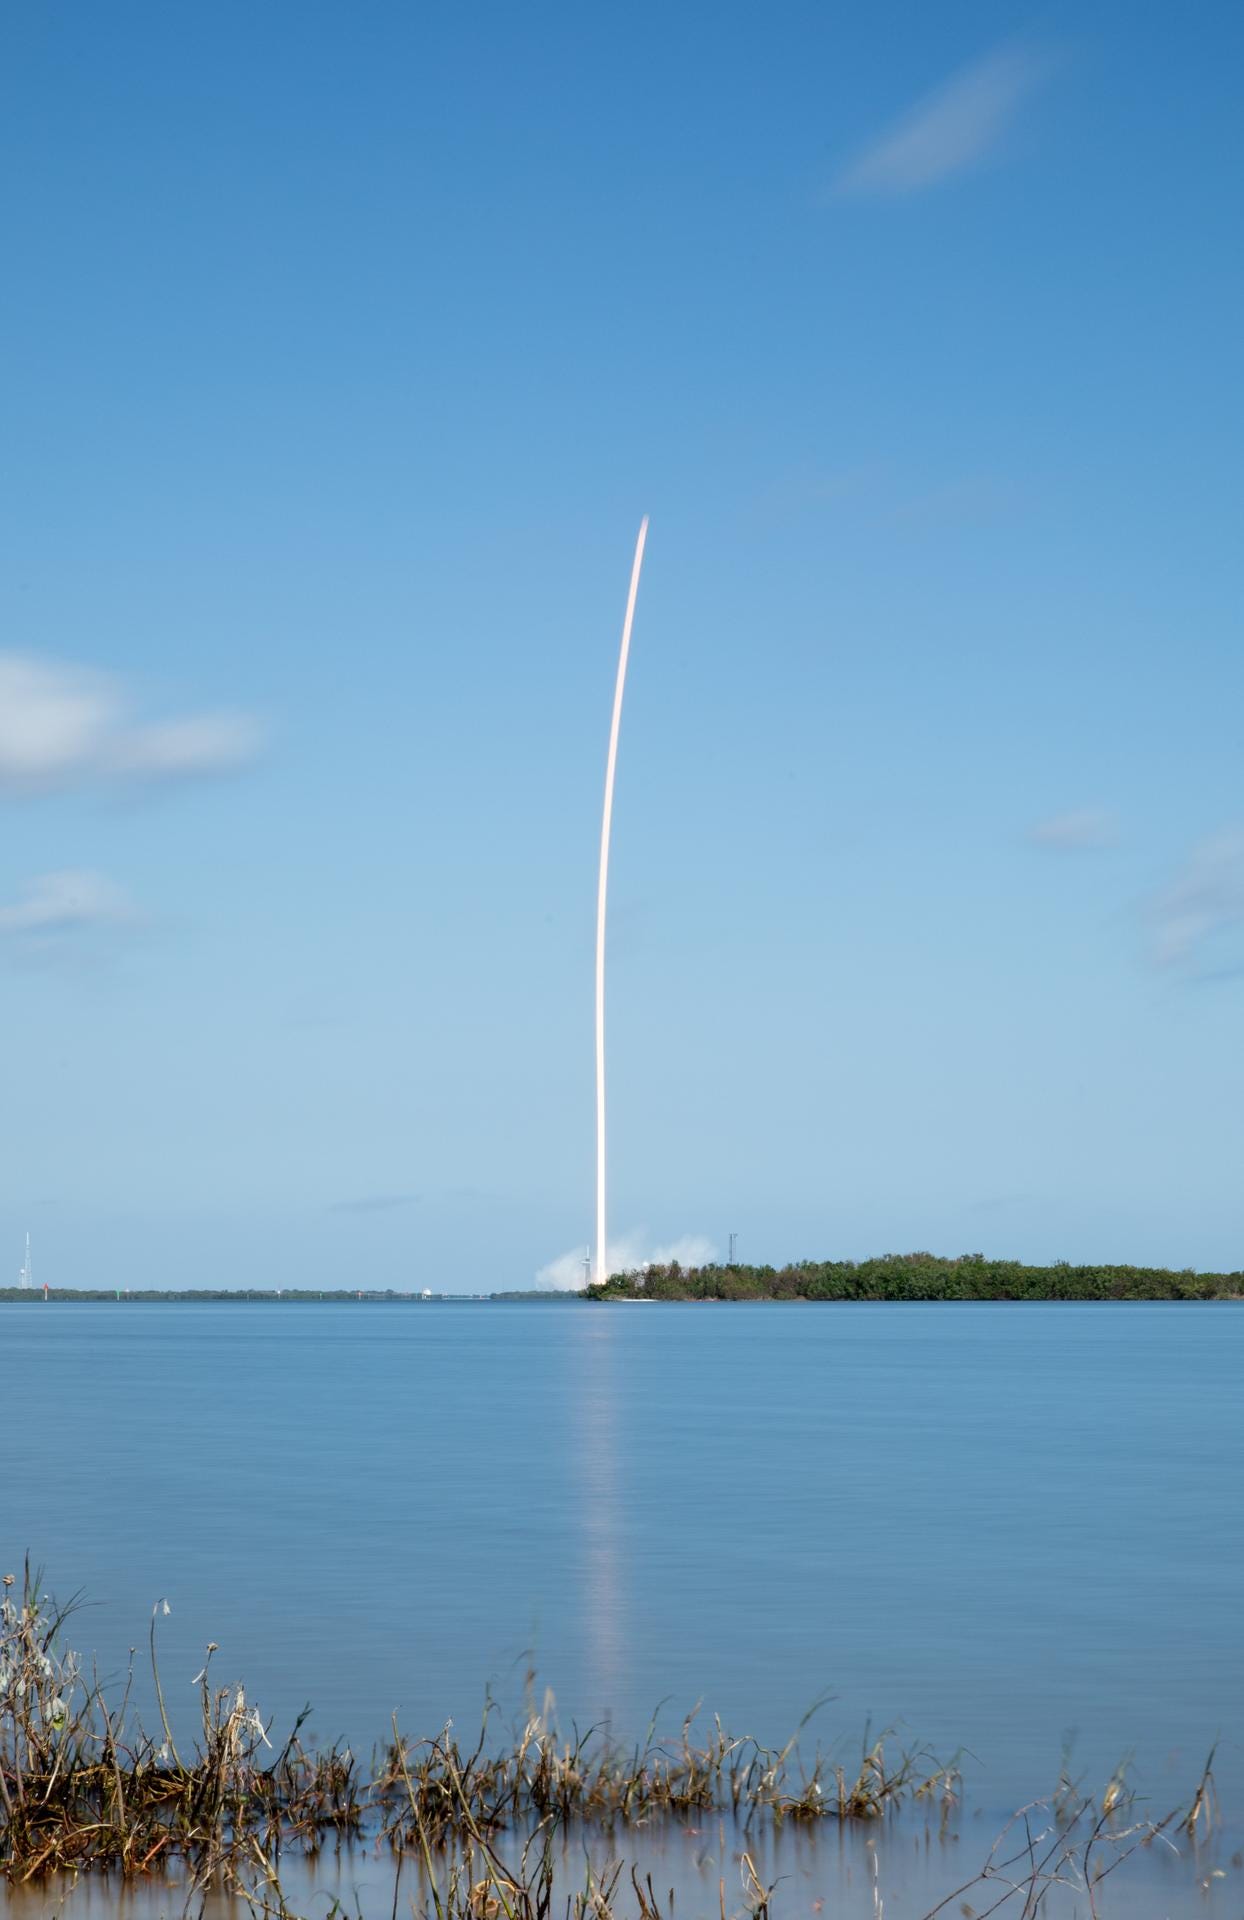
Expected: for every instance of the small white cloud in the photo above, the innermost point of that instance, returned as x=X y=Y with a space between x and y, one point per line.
x=65 y=726
x=949 y=131
x=1206 y=898
x=62 y=902
x=1077 y=832
x=53 y=720
x=627 y=1254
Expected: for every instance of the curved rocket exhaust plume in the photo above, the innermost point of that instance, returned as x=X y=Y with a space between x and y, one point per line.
x=600 y=1271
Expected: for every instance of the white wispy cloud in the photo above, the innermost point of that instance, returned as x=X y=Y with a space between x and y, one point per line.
x=63 y=725
x=373 y=1203
x=211 y=743
x=627 y=1254
x=950 y=130
x=62 y=902
x=1081 y=831
x=1205 y=899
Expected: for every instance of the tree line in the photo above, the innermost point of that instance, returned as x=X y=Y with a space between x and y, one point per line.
x=918 y=1276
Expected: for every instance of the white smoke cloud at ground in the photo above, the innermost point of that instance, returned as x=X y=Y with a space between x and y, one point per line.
x=627 y=1253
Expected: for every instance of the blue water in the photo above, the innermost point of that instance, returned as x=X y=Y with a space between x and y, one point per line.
x=995 y=1524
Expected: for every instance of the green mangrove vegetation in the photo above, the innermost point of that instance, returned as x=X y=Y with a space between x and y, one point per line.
x=918 y=1276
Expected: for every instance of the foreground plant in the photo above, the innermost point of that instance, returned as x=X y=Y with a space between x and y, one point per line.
x=84 y=1789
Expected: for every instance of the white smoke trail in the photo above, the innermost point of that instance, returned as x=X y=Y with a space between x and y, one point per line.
x=602 y=1268
x=629 y=1253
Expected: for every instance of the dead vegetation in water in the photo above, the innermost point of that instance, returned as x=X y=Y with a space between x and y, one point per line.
x=1067 y=1852
x=84 y=1789
x=432 y=1786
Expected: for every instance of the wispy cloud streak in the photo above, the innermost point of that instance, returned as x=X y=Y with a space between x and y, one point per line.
x=950 y=131
x=62 y=902
x=1085 y=830
x=1204 y=900
x=63 y=726
x=373 y=1203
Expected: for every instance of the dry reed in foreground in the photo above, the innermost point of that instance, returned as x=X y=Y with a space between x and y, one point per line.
x=83 y=1788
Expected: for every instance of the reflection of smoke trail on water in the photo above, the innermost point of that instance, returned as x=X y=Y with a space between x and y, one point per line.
x=598 y=1452
x=598 y=1455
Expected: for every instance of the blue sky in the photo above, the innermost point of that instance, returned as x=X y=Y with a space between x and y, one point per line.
x=345 y=348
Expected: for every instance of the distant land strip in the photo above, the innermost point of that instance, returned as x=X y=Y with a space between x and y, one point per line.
x=894 y=1276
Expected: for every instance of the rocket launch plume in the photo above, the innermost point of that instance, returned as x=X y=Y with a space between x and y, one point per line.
x=601 y=1267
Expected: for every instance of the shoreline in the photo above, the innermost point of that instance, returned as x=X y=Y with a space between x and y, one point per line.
x=909 y=1278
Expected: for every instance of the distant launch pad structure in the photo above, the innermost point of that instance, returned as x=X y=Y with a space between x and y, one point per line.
x=601 y=1271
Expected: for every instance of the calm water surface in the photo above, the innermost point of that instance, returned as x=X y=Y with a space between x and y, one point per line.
x=997 y=1524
